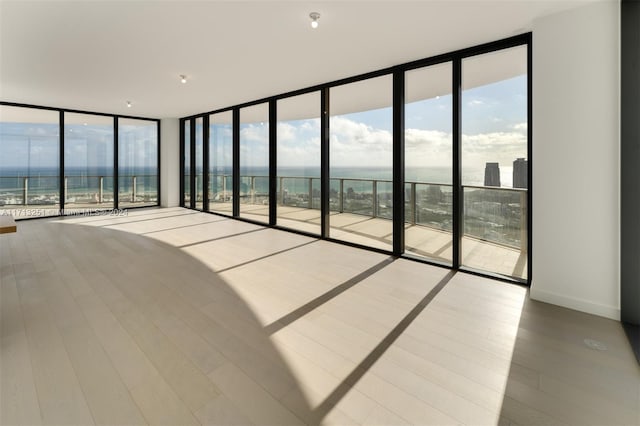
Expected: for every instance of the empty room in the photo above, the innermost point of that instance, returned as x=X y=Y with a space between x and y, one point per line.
x=320 y=212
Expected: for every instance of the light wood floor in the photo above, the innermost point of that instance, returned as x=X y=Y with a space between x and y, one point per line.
x=168 y=316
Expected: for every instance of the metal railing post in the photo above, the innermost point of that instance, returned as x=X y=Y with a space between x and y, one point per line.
x=374 y=198
x=341 y=207
x=25 y=190
x=224 y=188
x=134 y=186
x=414 y=204
x=281 y=194
x=100 y=188
x=524 y=244
x=253 y=189
x=310 y=193
x=66 y=185
x=195 y=187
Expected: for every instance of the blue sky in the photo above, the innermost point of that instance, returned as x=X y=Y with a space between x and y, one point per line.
x=493 y=123
x=36 y=145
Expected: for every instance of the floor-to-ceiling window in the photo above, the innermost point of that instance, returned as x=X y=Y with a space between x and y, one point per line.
x=458 y=125
x=298 y=176
x=88 y=161
x=137 y=163
x=361 y=161
x=55 y=162
x=494 y=161
x=429 y=162
x=29 y=161
x=254 y=162
x=221 y=162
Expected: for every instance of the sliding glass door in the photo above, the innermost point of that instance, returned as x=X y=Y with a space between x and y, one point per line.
x=428 y=174
x=495 y=162
x=361 y=161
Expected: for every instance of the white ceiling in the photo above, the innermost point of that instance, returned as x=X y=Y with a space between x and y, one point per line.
x=96 y=55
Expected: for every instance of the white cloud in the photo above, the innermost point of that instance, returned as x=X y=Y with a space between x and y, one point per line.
x=286 y=133
x=427 y=148
x=358 y=144
x=501 y=147
x=354 y=143
x=299 y=143
x=255 y=133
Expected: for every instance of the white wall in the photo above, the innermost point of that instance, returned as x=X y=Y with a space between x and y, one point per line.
x=169 y=162
x=576 y=159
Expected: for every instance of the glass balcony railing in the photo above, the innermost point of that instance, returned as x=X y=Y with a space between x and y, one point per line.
x=85 y=189
x=221 y=188
x=496 y=215
x=137 y=190
x=41 y=191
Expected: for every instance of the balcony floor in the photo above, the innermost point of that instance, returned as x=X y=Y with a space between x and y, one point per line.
x=420 y=240
x=170 y=316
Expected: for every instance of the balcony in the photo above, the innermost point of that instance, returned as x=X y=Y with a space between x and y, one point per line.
x=494 y=228
x=41 y=195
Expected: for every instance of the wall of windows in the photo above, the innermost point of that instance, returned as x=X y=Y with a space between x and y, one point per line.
x=65 y=162
x=428 y=160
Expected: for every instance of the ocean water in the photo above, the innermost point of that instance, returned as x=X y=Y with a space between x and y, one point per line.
x=46 y=180
x=295 y=179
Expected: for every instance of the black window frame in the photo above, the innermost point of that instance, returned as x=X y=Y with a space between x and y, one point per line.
x=397 y=73
x=61 y=164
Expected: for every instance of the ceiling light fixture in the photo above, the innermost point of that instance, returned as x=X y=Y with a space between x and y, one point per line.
x=314 y=19
x=183 y=78
x=128 y=104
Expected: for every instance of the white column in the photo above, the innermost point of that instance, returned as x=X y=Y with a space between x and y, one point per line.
x=170 y=162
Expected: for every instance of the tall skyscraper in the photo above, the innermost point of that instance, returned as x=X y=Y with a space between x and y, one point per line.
x=492 y=174
x=520 y=167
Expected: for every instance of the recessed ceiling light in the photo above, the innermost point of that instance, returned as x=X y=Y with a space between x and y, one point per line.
x=128 y=104
x=314 y=19
x=183 y=78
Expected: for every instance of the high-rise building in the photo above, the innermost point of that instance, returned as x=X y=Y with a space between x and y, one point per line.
x=492 y=174
x=520 y=167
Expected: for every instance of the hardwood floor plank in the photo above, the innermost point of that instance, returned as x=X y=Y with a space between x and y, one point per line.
x=107 y=396
x=238 y=387
x=59 y=393
x=222 y=412
x=160 y=405
x=18 y=397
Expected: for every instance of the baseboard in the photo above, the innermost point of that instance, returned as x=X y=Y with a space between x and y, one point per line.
x=575 y=304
